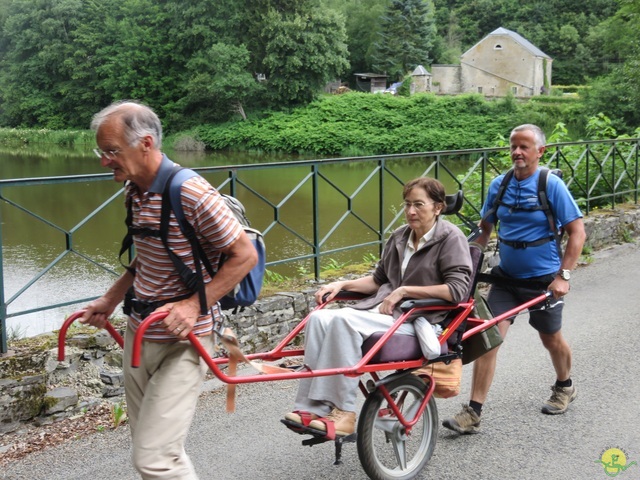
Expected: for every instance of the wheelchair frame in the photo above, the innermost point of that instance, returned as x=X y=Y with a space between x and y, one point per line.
x=395 y=418
x=395 y=405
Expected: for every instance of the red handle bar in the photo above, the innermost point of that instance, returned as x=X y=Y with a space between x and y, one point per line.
x=62 y=335
x=484 y=325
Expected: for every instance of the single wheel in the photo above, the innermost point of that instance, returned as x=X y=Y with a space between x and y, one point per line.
x=385 y=450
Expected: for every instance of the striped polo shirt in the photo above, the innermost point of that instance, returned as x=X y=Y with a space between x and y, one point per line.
x=156 y=277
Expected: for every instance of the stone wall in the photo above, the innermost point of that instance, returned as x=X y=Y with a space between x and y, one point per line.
x=34 y=386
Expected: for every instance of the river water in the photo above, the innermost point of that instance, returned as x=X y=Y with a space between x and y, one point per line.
x=35 y=225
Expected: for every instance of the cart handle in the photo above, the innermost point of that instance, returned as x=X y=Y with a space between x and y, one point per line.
x=484 y=325
x=62 y=334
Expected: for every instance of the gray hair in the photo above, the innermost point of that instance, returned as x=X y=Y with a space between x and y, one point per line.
x=138 y=120
x=541 y=139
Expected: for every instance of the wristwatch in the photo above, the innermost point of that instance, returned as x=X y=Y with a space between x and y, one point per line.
x=565 y=274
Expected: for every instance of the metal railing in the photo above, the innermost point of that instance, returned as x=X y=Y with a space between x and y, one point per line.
x=599 y=173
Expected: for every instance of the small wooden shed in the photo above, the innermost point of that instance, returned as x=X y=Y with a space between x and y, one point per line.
x=371 y=82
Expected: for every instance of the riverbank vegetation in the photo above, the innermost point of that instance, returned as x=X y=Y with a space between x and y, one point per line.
x=355 y=124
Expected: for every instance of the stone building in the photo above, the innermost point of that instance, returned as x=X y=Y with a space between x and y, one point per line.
x=421 y=80
x=501 y=63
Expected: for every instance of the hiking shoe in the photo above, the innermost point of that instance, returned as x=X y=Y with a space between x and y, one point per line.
x=560 y=399
x=467 y=421
x=344 y=422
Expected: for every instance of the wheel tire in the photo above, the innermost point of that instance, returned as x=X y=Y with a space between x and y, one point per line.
x=382 y=441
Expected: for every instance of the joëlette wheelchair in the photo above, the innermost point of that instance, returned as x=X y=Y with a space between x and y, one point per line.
x=398 y=424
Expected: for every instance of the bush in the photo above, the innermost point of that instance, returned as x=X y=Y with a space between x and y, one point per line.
x=368 y=124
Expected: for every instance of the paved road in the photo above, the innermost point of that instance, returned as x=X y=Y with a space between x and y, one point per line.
x=516 y=441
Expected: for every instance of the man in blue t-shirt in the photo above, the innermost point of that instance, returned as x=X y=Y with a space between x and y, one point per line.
x=530 y=262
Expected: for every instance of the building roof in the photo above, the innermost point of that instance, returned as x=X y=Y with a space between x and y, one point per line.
x=371 y=75
x=420 y=70
x=517 y=38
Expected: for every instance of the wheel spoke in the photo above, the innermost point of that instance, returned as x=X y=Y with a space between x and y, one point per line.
x=400 y=451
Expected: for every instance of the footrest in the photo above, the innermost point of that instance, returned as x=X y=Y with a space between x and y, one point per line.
x=320 y=436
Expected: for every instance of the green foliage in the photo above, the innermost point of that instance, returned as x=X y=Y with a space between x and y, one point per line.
x=61 y=138
x=406 y=37
x=362 y=23
x=369 y=124
x=198 y=61
x=118 y=414
x=63 y=60
x=218 y=84
x=333 y=264
x=583 y=173
x=302 y=53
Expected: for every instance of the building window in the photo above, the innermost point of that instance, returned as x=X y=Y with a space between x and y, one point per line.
x=497 y=47
x=479 y=89
x=514 y=90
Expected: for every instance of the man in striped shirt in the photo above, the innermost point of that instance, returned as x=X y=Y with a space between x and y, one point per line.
x=162 y=393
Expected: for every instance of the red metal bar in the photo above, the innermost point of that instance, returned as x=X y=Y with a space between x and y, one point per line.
x=62 y=335
x=485 y=324
x=356 y=370
x=213 y=364
x=409 y=424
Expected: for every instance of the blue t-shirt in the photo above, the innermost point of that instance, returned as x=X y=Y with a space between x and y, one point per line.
x=523 y=224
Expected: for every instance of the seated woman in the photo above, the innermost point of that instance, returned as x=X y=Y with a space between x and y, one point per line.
x=427 y=258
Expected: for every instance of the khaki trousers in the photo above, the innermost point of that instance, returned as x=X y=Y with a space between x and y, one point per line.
x=161 y=401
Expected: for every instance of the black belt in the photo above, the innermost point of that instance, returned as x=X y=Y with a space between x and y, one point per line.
x=144 y=309
x=523 y=245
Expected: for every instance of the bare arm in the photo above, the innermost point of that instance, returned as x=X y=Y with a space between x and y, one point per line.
x=485 y=235
x=364 y=285
x=98 y=312
x=575 y=242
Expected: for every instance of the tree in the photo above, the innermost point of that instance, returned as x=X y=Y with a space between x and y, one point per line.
x=617 y=94
x=362 y=23
x=34 y=76
x=406 y=37
x=218 y=84
x=302 y=53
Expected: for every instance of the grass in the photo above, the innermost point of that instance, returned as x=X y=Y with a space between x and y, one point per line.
x=63 y=138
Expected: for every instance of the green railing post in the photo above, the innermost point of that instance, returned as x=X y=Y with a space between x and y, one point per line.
x=3 y=306
x=316 y=221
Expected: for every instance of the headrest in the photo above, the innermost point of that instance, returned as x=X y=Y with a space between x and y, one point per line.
x=453 y=203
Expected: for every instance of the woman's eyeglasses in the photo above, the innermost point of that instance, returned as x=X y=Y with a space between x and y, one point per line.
x=416 y=205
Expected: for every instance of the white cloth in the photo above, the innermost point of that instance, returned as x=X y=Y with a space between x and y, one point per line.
x=428 y=337
x=333 y=339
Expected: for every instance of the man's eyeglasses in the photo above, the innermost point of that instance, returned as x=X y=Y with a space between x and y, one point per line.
x=108 y=154
x=416 y=205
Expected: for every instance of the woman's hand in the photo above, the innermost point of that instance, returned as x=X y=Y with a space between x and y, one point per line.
x=331 y=289
x=389 y=303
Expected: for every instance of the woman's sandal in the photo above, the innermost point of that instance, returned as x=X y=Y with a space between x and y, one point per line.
x=299 y=420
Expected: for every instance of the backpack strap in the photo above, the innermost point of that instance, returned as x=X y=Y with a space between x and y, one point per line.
x=498 y=200
x=546 y=206
x=501 y=189
x=171 y=201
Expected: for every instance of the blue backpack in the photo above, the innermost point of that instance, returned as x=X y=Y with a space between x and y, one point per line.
x=247 y=291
